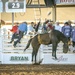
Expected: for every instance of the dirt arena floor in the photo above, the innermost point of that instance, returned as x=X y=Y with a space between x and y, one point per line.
x=37 y=69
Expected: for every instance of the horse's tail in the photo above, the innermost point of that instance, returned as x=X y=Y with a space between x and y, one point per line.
x=28 y=44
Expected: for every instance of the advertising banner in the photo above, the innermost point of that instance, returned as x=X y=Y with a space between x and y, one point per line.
x=65 y=2
x=61 y=59
x=16 y=58
x=46 y=58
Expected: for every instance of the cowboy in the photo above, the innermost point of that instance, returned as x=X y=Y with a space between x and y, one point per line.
x=14 y=31
x=22 y=29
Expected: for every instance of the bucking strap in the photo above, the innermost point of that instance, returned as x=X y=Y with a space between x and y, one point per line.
x=39 y=39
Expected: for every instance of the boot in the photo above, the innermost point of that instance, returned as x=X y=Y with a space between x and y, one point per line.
x=10 y=42
x=14 y=43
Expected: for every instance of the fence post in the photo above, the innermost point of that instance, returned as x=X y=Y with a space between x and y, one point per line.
x=8 y=35
x=4 y=33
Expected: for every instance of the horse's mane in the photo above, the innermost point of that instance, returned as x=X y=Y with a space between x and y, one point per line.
x=60 y=35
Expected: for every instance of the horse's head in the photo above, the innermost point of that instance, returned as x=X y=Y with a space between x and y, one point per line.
x=65 y=48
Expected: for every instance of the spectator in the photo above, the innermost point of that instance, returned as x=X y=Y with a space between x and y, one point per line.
x=14 y=31
x=66 y=29
x=22 y=29
x=73 y=38
x=69 y=22
x=30 y=28
x=57 y=26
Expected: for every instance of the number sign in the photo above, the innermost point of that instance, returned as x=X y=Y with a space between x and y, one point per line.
x=19 y=6
x=16 y=5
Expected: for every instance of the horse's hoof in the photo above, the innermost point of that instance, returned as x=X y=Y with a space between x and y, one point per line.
x=40 y=61
x=54 y=58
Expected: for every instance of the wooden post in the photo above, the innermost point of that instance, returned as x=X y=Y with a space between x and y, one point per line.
x=54 y=14
x=12 y=19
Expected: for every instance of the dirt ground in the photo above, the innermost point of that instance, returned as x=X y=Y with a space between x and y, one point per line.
x=37 y=69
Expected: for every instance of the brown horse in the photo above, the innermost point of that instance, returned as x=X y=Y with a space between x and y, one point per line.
x=53 y=37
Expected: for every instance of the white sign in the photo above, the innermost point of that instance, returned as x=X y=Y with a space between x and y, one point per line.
x=1 y=6
x=15 y=6
x=61 y=59
x=47 y=58
x=16 y=58
x=65 y=1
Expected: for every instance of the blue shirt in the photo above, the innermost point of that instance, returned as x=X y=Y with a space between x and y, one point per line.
x=66 y=31
x=73 y=34
x=23 y=27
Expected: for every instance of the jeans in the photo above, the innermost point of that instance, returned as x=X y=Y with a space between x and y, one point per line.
x=14 y=36
x=21 y=33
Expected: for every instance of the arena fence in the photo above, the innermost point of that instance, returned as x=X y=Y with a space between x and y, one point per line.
x=11 y=55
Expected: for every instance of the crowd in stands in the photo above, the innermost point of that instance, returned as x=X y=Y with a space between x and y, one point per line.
x=68 y=30
x=19 y=30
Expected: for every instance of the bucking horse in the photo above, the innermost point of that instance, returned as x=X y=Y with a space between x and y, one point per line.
x=53 y=37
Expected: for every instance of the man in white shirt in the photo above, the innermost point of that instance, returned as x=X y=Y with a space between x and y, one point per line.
x=57 y=26
x=30 y=28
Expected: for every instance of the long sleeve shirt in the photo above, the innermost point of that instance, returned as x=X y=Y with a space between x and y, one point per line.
x=14 y=29
x=23 y=27
x=66 y=31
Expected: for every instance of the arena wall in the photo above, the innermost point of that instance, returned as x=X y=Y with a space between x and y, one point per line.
x=62 y=14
